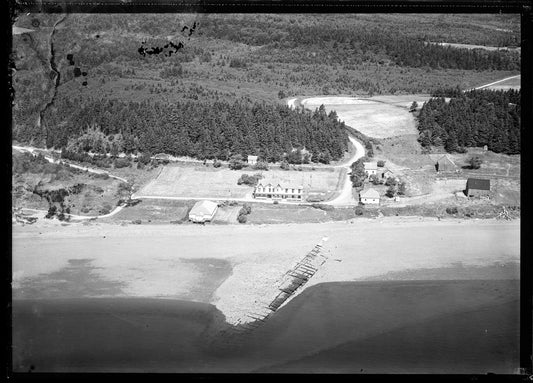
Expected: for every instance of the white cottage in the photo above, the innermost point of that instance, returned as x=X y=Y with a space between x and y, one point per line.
x=203 y=211
x=252 y=160
x=369 y=197
x=370 y=168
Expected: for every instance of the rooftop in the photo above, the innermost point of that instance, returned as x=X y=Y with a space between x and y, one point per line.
x=370 y=165
x=369 y=193
x=203 y=208
x=477 y=183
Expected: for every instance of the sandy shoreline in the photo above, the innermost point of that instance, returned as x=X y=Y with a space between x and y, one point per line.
x=153 y=260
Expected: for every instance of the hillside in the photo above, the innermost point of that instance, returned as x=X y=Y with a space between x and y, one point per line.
x=244 y=58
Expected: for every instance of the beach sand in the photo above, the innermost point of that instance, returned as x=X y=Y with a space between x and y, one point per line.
x=238 y=268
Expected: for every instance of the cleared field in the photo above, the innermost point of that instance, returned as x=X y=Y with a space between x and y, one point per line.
x=179 y=181
x=379 y=117
x=187 y=181
x=155 y=210
x=512 y=83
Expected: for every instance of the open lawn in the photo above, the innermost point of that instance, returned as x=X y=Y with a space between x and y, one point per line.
x=155 y=211
x=378 y=117
x=208 y=182
x=267 y=214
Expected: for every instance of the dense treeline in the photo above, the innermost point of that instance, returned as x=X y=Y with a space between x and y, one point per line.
x=473 y=118
x=201 y=130
x=359 y=44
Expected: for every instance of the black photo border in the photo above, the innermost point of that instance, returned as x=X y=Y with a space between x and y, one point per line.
x=522 y=7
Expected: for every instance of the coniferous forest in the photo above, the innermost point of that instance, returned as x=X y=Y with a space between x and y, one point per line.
x=202 y=130
x=474 y=118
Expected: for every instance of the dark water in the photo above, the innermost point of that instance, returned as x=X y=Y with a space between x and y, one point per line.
x=406 y=326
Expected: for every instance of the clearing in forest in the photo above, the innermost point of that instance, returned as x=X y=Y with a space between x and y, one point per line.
x=378 y=117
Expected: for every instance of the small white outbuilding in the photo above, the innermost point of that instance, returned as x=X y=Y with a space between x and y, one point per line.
x=203 y=211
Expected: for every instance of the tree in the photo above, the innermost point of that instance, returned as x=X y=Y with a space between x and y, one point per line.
x=391 y=191
x=475 y=162
x=374 y=179
x=381 y=163
x=236 y=162
x=284 y=165
x=402 y=188
x=391 y=181
x=413 y=107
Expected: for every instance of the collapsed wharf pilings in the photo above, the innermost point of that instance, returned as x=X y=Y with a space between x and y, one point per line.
x=233 y=336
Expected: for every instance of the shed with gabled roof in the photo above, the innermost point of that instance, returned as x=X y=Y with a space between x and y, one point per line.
x=203 y=211
x=445 y=164
x=476 y=187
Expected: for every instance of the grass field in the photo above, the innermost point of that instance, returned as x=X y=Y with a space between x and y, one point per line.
x=378 y=117
x=156 y=211
x=268 y=214
x=208 y=182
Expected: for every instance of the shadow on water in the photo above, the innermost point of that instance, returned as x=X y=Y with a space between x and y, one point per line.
x=472 y=327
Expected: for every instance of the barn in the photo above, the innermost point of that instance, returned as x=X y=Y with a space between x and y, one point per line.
x=445 y=164
x=476 y=187
x=203 y=211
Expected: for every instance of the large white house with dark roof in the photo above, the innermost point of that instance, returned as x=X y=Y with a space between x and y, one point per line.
x=277 y=191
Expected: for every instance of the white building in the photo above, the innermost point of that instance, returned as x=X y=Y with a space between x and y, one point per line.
x=370 y=168
x=203 y=211
x=369 y=197
x=252 y=160
x=277 y=191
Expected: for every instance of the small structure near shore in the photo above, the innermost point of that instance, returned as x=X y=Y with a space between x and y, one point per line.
x=203 y=211
x=476 y=187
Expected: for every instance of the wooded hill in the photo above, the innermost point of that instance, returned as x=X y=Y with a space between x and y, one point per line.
x=202 y=130
x=473 y=118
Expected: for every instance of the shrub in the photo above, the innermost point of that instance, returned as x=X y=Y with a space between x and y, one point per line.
x=475 y=162
x=249 y=180
x=217 y=164
x=284 y=165
x=381 y=163
x=136 y=221
x=391 y=191
x=359 y=210
x=144 y=158
x=391 y=181
x=261 y=165
x=451 y=210
x=242 y=218
x=121 y=163
x=236 y=162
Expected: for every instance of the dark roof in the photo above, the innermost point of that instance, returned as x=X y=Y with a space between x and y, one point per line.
x=476 y=183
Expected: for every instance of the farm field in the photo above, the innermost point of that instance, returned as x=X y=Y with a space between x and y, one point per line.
x=208 y=182
x=378 y=117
